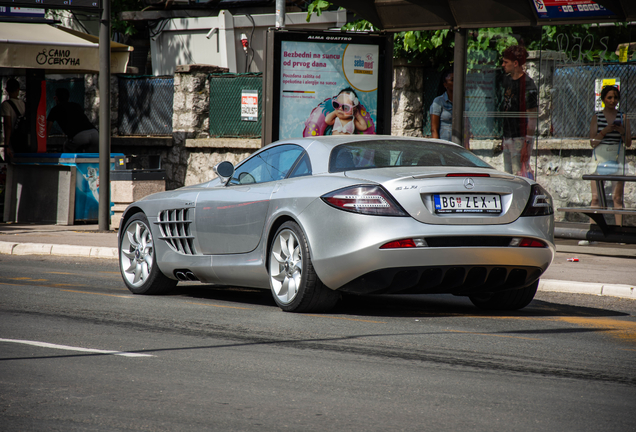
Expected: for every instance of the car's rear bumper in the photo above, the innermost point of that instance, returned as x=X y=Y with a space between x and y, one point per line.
x=346 y=253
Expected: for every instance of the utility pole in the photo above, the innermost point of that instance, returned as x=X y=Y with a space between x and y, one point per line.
x=280 y=14
x=459 y=78
x=104 y=118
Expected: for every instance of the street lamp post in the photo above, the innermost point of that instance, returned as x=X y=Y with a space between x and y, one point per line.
x=104 y=118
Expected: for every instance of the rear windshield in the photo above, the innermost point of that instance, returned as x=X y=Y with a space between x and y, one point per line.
x=389 y=153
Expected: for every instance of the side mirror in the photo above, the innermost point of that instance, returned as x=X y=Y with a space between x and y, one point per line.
x=224 y=169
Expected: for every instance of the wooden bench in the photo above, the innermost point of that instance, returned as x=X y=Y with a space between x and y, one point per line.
x=597 y=213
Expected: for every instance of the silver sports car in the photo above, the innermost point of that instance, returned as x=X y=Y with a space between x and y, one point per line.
x=311 y=218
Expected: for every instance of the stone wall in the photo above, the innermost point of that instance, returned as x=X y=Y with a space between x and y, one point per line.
x=560 y=165
x=91 y=100
x=407 y=96
x=194 y=153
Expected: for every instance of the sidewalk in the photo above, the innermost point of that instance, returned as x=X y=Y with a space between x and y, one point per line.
x=562 y=276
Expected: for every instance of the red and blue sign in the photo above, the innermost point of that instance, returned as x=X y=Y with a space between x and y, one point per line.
x=553 y=9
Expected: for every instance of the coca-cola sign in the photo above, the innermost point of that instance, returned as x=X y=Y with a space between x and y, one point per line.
x=40 y=117
x=41 y=126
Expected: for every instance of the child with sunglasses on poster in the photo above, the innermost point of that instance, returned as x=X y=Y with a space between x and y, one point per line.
x=346 y=117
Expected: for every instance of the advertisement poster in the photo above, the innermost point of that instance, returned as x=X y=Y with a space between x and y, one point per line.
x=598 y=88
x=249 y=105
x=551 y=9
x=328 y=88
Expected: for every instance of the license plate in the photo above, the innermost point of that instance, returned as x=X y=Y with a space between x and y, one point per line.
x=467 y=203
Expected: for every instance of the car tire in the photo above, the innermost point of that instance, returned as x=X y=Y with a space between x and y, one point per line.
x=293 y=281
x=137 y=259
x=506 y=300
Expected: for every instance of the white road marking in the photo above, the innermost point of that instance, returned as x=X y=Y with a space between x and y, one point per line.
x=71 y=348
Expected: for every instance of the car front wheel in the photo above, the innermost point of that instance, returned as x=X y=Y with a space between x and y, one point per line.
x=137 y=262
x=294 y=283
x=506 y=300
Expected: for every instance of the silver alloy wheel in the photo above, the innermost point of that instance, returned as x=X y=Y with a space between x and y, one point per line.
x=136 y=253
x=286 y=266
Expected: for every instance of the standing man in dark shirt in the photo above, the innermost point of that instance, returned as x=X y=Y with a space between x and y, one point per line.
x=9 y=117
x=519 y=103
x=82 y=136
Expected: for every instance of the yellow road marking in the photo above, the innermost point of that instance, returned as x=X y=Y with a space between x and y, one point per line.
x=491 y=334
x=347 y=319
x=619 y=329
x=20 y=278
x=623 y=330
x=102 y=294
x=220 y=306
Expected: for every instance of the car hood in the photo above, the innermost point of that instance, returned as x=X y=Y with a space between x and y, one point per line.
x=415 y=188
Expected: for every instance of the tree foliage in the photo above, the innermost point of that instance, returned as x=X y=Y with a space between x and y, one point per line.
x=581 y=43
x=116 y=7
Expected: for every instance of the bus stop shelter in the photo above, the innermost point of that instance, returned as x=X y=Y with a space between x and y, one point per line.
x=459 y=15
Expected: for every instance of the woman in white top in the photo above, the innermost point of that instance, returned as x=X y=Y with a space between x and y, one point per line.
x=610 y=133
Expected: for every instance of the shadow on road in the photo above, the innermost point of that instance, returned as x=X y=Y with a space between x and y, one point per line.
x=410 y=306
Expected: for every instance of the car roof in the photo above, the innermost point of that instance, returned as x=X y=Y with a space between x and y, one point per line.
x=319 y=148
x=332 y=141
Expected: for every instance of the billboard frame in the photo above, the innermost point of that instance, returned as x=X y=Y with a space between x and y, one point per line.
x=272 y=74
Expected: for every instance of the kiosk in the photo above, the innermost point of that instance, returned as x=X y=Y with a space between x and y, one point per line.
x=61 y=188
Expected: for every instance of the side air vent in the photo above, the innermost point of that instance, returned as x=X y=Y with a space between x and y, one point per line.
x=175 y=229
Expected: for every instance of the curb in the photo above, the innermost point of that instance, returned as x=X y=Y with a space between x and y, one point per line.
x=9 y=248
x=592 y=250
x=548 y=285
x=614 y=290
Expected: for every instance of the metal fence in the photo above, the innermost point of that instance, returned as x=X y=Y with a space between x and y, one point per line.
x=145 y=105
x=573 y=97
x=76 y=89
x=227 y=105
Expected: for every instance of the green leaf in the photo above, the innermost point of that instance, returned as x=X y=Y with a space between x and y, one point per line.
x=317 y=6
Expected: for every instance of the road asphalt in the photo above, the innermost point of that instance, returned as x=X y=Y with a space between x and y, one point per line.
x=86 y=240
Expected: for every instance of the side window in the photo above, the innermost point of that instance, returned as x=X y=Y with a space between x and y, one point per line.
x=286 y=159
x=302 y=168
x=272 y=164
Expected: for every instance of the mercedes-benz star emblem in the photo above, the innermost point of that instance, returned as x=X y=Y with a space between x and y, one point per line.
x=469 y=183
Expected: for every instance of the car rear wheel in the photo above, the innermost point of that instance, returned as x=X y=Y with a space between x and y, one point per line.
x=506 y=300
x=294 y=283
x=137 y=262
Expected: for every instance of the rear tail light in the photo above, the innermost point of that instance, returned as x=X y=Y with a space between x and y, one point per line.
x=369 y=200
x=405 y=244
x=539 y=204
x=527 y=242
